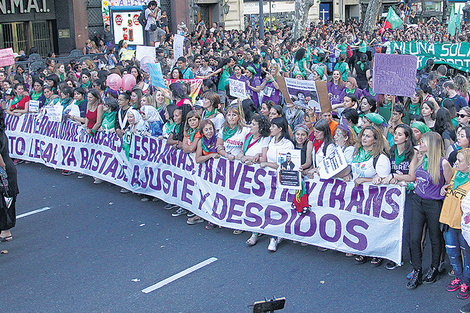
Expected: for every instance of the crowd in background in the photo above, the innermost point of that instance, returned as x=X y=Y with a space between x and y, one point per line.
x=420 y=142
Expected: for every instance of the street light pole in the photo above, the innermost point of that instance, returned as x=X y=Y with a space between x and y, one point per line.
x=261 y=20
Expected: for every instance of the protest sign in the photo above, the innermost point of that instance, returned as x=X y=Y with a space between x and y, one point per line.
x=395 y=74
x=456 y=55
x=54 y=113
x=178 y=46
x=237 y=88
x=7 y=57
x=306 y=94
x=33 y=106
x=195 y=85
x=156 y=75
x=289 y=169
x=332 y=164
x=303 y=93
x=142 y=51
x=128 y=55
x=365 y=219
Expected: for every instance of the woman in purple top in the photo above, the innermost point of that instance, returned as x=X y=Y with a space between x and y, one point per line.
x=432 y=173
x=351 y=87
x=335 y=87
x=254 y=85
x=368 y=91
x=271 y=89
x=237 y=75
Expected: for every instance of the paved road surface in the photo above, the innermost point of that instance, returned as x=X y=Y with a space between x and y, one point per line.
x=96 y=249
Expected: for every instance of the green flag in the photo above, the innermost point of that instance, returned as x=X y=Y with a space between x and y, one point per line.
x=452 y=25
x=457 y=20
x=394 y=20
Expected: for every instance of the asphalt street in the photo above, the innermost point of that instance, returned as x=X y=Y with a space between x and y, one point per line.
x=96 y=249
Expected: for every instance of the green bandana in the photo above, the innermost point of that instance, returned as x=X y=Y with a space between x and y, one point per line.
x=399 y=158
x=35 y=96
x=460 y=179
x=356 y=129
x=16 y=99
x=362 y=156
x=414 y=108
x=247 y=144
x=350 y=90
x=170 y=127
x=375 y=118
x=361 y=64
x=176 y=129
x=192 y=133
x=208 y=113
x=425 y=162
x=227 y=132
x=423 y=128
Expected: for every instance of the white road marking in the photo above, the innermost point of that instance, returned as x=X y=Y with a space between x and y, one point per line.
x=33 y=212
x=179 y=275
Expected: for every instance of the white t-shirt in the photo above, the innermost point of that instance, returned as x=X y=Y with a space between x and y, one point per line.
x=150 y=19
x=257 y=147
x=234 y=144
x=218 y=121
x=284 y=143
x=366 y=169
x=318 y=157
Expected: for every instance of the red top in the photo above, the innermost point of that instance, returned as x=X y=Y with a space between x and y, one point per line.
x=20 y=105
x=92 y=116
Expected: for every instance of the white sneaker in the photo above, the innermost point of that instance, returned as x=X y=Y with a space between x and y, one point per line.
x=179 y=212
x=124 y=190
x=97 y=181
x=273 y=244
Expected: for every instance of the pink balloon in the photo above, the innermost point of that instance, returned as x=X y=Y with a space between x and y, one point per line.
x=128 y=82
x=114 y=81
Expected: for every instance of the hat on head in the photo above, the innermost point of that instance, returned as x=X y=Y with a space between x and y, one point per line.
x=320 y=71
x=300 y=127
x=423 y=128
x=375 y=118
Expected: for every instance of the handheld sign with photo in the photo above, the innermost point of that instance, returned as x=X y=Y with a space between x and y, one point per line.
x=237 y=88
x=395 y=74
x=289 y=169
x=34 y=106
x=332 y=164
x=306 y=94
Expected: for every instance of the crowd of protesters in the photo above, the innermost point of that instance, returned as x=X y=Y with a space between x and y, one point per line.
x=421 y=142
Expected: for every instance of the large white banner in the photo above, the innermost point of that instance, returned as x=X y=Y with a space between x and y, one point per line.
x=365 y=220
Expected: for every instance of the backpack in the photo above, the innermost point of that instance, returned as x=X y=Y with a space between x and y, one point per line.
x=142 y=19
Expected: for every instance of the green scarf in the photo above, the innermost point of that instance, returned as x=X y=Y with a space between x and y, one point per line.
x=170 y=127
x=247 y=144
x=425 y=162
x=356 y=129
x=62 y=77
x=35 y=96
x=460 y=179
x=371 y=92
x=362 y=156
x=399 y=158
x=176 y=129
x=350 y=90
x=361 y=64
x=16 y=99
x=208 y=113
x=414 y=108
x=192 y=133
x=227 y=132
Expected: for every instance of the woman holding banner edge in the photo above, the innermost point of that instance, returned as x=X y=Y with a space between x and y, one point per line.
x=370 y=164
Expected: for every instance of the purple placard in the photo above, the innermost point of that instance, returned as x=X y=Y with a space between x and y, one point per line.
x=395 y=74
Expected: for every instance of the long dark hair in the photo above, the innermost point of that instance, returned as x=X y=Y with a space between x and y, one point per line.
x=324 y=127
x=443 y=121
x=263 y=125
x=410 y=142
x=281 y=122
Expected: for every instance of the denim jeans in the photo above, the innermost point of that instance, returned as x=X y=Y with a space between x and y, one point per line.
x=455 y=247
